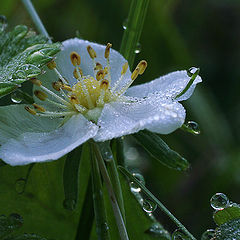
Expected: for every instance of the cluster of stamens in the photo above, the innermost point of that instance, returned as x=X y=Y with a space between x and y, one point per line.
x=89 y=92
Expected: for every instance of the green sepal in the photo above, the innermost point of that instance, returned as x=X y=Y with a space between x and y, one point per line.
x=159 y=150
x=227 y=214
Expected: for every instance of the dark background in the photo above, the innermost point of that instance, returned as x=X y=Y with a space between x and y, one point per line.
x=176 y=35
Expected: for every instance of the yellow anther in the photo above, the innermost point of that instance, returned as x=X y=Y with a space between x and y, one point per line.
x=124 y=68
x=105 y=70
x=107 y=50
x=135 y=73
x=142 y=65
x=75 y=58
x=30 y=110
x=51 y=65
x=104 y=84
x=74 y=99
x=66 y=87
x=91 y=52
x=100 y=75
x=40 y=95
x=98 y=66
x=75 y=72
x=57 y=85
x=36 y=82
x=39 y=108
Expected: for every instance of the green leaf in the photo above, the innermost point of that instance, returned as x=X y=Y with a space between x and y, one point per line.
x=228 y=230
x=27 y=237
x=227 y=214
x=158 y=149
x=22 y=56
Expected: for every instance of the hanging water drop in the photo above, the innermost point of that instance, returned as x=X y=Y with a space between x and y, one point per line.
x=219 y=201
x=192 y=127
x=16 y=98
x=191 y=71
x=138 y=48
x=178 y=235
x=69 y=204
x=134 y=187
x=208 y=235
x=125 y=22
x=149 y=206
x=20 y=185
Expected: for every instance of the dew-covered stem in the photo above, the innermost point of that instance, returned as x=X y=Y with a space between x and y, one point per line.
x=133 y=29
x=98 y=201
x=117 y=213
x=36 y=19
x=113 y=173
x=155 y=200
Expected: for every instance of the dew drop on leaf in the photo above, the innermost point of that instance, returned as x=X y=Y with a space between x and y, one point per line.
x=149 y=206
x=191 y=71
x=208 y=235
x=139 y=177
x=219 y=201
x=193 y=127
x=125 y=22
x=138 y=48
x=134 y=187
x=16 y=98
x=20 y=185
x=178 y=235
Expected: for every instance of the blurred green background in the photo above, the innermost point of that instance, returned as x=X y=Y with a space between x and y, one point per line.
x=177 y=35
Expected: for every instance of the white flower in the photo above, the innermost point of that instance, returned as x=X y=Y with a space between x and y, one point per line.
x=91 y=100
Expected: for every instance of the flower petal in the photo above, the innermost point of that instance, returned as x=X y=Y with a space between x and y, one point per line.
x=169 y=85
x=155 y=114
x=32 y=147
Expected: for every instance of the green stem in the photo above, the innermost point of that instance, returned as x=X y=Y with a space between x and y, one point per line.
x=113 y=173
x=154 y=199
x=132 y=33
x=118 y=151
x=117 y=213
x=98 y=202
x=36 y=19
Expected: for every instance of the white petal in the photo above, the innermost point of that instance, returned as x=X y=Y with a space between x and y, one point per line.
x=169 y=85
x=155 y=114
x=15 y=120
x=32 y=147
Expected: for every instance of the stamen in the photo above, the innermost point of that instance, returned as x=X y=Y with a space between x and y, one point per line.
x=55 y=114
x=66 y=87
x=60 y=76
x=91 y=52
x=98 y=66
x=74 y=100
x=135 y=74
x=106 y=55
x=57 y=85
x=39 y=108
x=124 y=68
x=40 y=95
x=80 y=108
x=36 y=82
x=104 y=84
x=75 y=58
x=100 y=75
x=57 y=104
x=51 y=65
x=123 y=72
x=77 y=73
x=30 y=110
x=107 y=50
x=142 y=65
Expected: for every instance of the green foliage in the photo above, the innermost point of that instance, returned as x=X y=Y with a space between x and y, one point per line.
x=22 y=56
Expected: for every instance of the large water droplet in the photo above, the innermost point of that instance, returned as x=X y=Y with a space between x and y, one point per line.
x=3 y=23
x=16 y=98
x=138 y=48
x=125 y=22
x=69 y=204
x=191 y=71
x=20 y=185
x=219 y=201
x=178 y=235
x=208 y=235
x=149 y=206
x=193 y=127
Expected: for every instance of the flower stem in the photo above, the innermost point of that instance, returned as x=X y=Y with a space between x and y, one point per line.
x=98 y=202
x=107 y=155
x=133 y=29
x=154 y=199
x=36 y=19
x=117 y=213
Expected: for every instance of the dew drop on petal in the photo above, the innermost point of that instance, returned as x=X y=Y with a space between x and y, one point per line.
x=20 y=185
x=208 y=235
x=15 y=97
x=149 y=206
x=138 y=48
x=178 y=235
x=191 y=71
x=219 y=201
x=69 y=204
x=193 y=127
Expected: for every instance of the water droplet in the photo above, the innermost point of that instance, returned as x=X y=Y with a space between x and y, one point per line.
x=3 y=23
x=125 y=22
x=191 y=71
x=20 y=185
x=193 y=127
x=69 y=204
x=149 y=206
x=156 y=230
x=178 y=235
x=209 y=234
x=138 y=48
x=134 y=187
x=139 y=177
x=219 y=201
x=16 y=98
